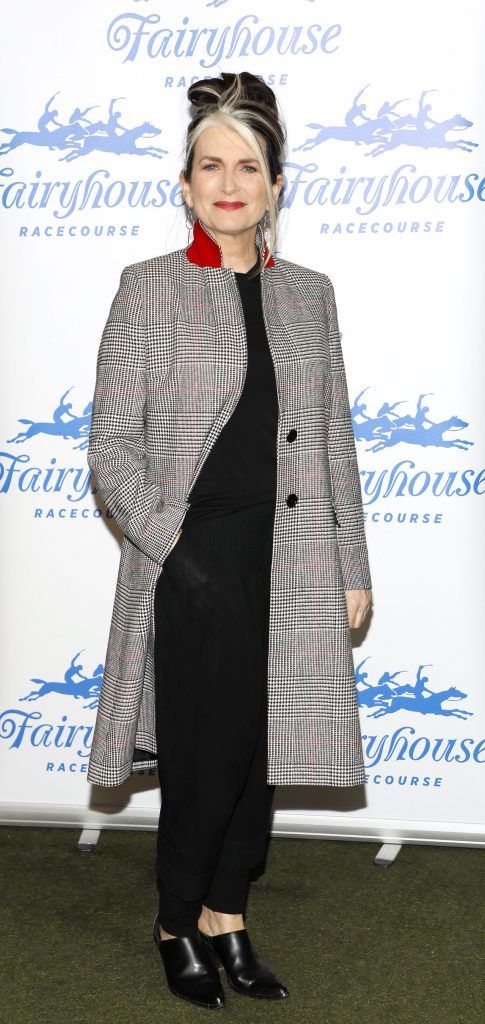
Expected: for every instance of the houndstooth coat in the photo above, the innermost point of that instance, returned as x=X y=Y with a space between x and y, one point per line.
x=170 y=369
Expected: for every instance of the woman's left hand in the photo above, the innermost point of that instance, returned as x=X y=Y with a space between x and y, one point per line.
x=358 y=604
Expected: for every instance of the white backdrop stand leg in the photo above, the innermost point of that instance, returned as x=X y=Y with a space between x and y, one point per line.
x=88 y=840
x=387 y=854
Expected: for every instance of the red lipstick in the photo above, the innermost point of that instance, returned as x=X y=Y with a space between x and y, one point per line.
x=229 y=206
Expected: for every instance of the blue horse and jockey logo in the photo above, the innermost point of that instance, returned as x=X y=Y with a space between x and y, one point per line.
x=75 y=684
x=64 y=423
x=385 y=429
x=386 y=696
x=78 y=135
x=388 y=428
x=387 y=129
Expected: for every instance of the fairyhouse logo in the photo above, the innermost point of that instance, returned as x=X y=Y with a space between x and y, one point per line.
x=20 y=473
x=408 y=754
x=135 y=34
x=21 y=727
x=411 y=427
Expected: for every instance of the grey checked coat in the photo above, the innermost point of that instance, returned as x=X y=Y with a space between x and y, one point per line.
x=170 y=369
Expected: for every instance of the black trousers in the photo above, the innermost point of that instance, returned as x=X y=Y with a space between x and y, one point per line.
x=211 y=648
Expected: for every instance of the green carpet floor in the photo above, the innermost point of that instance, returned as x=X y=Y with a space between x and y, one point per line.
x=352 y=942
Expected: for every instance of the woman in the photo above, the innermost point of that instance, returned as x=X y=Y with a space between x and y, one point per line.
x=222 y=443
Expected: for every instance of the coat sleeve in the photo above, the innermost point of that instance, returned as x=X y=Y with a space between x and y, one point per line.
x=344 y=470
x=116 y=452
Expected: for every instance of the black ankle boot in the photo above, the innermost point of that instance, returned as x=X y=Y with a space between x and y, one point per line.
x=190 y=969
x=247 y=972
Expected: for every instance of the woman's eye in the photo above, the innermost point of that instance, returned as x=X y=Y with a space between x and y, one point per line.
x=207 y=167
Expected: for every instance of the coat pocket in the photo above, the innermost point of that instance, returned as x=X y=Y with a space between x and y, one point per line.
x=142 y=571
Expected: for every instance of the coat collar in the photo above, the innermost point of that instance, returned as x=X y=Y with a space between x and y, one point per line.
x=206 y=252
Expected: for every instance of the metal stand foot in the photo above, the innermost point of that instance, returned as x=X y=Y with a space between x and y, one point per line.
x=387 y=855
x=88 y=840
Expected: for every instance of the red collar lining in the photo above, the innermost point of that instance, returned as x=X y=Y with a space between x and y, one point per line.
x=206 y=252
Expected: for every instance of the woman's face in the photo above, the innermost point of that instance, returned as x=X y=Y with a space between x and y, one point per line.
x=225 y=170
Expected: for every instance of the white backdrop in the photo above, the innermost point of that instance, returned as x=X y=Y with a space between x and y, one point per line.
x=384 y=192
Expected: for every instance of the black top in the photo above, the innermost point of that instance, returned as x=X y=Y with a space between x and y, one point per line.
x=240 y=469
